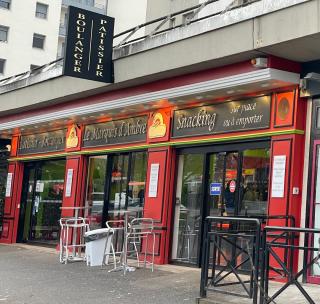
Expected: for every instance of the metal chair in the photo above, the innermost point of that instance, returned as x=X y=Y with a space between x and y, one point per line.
x=140 y=230
x=117 y=227
x=71 y=238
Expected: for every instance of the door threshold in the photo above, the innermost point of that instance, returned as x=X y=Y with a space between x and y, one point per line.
x=39 y=244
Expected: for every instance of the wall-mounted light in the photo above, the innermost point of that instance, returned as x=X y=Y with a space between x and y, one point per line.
x=260 y=62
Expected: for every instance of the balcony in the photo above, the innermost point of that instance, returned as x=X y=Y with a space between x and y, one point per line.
x=89 y=5
x=211 y=39
x=62 y=30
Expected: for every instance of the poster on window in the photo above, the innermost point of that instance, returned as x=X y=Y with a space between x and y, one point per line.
x=278 y=175
x=154 y=177
x=69 y=182
x=9 y=184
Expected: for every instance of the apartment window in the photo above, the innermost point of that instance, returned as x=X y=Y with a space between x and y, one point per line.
x=38 y=41
x=41 y=10
x=2 y=63
x=5 y=4
x=4 y=33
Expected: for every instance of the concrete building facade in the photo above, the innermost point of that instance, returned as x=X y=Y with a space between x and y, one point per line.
x=23 y=22
x=47 y=24
x=257 y=55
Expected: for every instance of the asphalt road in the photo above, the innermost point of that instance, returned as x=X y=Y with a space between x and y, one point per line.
x=33 y=275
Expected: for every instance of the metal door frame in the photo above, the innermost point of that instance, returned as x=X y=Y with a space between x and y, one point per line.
x=207 y=150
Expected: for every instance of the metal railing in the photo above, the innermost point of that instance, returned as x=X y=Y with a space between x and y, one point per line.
x=89 y=3
x=162 y=21
x=234 y=246
x=159 y=23
x=272 y=248
x=234 y=243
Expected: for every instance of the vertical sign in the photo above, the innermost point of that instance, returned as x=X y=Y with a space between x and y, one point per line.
x=88 y=52
x=154 y=177
x=9 y=184
x=278 y=175
x=69 y=182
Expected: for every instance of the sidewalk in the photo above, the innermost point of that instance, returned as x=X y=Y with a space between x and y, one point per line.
x=33 y=275
x=290 y=296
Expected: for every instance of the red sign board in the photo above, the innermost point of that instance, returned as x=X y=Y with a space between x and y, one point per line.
x=232 y=186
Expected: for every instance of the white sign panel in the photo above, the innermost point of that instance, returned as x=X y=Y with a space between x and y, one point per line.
x=154 y=177
x=278 y=175
x=39 y=186
x=69 y=182
x=9 y=184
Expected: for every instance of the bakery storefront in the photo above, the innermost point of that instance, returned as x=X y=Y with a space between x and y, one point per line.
x=228 y=158
x=176 y=160
x=42 y=186
x=73 y=167
x=115 y=180
x=221 y=179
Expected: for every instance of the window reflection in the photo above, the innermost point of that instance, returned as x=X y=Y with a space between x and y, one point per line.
x=95 y=189
x=254 y=182
x=137 y=181
x=127 y=177
x=187 y=219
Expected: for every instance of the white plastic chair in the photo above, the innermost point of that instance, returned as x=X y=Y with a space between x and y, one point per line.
x=140 y=231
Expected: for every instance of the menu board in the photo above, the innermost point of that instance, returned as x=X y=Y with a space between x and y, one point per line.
x=69 y=182
x=9 y=184
x=278 y=175
x=154 y=177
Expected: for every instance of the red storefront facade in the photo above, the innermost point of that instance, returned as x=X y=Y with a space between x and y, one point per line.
x=186 y=137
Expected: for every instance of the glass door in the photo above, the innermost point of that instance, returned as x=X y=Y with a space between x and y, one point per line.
x=223 y=185
x=127 y=178
x=26 y=206
x=115 y=182
x=230 y=182
x=41 y=201
x=125 y=188
x=118 y=185
x=97 y=170
x=3 y=179
x=187 y=220
x=314 y=273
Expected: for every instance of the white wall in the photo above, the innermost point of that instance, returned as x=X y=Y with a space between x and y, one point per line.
x=127 y=14
x=22 y=23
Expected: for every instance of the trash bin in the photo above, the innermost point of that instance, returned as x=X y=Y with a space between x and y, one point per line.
x=96 y=248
